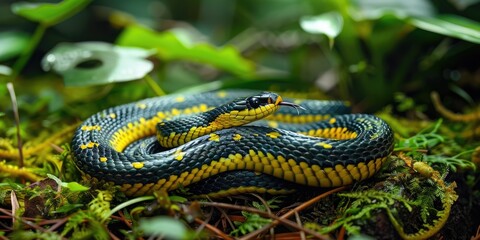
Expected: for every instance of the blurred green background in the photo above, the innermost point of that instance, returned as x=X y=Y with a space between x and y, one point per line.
x=373 y=53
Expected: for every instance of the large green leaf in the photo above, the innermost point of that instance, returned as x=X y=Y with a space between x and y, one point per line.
x=169 y=47
x=449 y=25
x=91 y=63
x=12 y=43
x=330 y=24
x=49 y=13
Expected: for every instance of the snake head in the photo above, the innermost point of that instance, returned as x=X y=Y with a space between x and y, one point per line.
x=262 y=99
x=257 y=107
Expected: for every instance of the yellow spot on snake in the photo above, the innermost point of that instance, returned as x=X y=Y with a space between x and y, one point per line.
x=297 y=101
x=175 y=111
x=179 y=155
x=142 y=105
x=214 y=137
x=90 y=128
x=112 y=115
x=332 y=120
x=92 y=144
x=324 y=145
x=221 y=94
x=273 y=134
x=180 y=99
x=103 y=159
x=137 y=165
x=83 y=146
x=237 y=137
x=203 y=107
x=273 y=124
x=161 y=115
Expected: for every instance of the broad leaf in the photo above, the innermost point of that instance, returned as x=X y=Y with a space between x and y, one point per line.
x=92 y=63
x=12 y=43
x=49 y=13
x=169 y=47
x=449 y=25
x=330 y=24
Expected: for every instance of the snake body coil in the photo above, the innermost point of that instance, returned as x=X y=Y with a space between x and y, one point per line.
x=323 y=147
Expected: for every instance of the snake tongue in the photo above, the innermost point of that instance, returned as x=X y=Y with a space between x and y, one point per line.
x=289 y=104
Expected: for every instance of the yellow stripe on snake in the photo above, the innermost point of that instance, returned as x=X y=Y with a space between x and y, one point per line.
x=212 y=143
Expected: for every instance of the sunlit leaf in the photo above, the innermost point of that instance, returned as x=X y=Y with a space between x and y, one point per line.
x=5 y=70
x=91 y=63
x=374 y=9
x=330 y=24
x=49 y=13
x=163 y=226
x=452 y=26
x=12 y=43
x=169 y=47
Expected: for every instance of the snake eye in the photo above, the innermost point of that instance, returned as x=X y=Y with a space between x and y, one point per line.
x=269 y=100
x=253 y=102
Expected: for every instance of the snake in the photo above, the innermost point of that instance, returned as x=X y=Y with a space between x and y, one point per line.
x=229 y=142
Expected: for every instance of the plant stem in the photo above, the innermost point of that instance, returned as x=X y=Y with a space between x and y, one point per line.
x=28 y=51
x=154 y=86
x=17 y=123
x=130 y=202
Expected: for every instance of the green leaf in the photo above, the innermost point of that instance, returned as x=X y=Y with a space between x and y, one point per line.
x=5 y=70
x=178 y=199
x=49 y=13
x=12 y=43
x=421 y=14
x=330 y=24
x=68 y=208
x=92 y=63
x=252 y=222
x=169 y=47
x=449 y=25
x=374 y=9
x=163 y=226
x=73 y=186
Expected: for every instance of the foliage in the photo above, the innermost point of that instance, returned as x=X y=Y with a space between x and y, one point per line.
x=109 y=63
x=425 y=139
x=252 y=222
x=163 y=227
x=170 y=47
x=388 y=55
